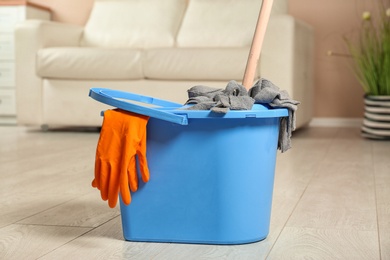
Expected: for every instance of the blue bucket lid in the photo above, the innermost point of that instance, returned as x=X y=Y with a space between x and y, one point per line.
x=174 y=112
x=257 y=111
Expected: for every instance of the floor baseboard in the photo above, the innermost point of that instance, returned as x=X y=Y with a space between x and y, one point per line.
x=335 y=122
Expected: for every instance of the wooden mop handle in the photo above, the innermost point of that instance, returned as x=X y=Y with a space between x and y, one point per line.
x=257 y=43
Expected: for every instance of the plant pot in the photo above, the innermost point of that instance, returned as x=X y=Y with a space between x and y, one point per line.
x=376 y=123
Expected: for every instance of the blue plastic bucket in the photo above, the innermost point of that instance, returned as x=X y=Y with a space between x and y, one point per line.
x=211 y=175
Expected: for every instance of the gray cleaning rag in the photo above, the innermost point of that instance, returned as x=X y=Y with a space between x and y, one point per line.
x=236 y=97
x=264 y=91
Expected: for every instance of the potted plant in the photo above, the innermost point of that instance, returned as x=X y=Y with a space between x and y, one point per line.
x=370 y=53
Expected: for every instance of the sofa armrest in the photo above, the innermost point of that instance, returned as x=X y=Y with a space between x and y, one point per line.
x=30 y=36
x=287 y=60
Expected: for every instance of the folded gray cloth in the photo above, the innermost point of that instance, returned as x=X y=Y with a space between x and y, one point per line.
x=200 y=103
x=236 y=97
x=264 y=91
x=203 y=91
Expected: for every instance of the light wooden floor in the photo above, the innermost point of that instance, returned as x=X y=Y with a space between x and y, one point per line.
x=331 y=201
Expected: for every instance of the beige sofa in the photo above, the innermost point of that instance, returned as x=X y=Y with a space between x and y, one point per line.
x=156 y=48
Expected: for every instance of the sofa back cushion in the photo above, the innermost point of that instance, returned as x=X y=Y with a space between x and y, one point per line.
x=279 y=7
x=222 y=23
x=133 y=23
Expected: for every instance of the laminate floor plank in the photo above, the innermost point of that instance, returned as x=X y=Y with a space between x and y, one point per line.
x=313 y=243
x=18 y=206
x=83 y=211
x=33 y=144
x=31 y=241
x=381 y=155
x=106 y=242
x=338 y=205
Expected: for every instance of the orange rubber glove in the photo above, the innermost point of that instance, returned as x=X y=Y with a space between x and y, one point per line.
x=122 y=137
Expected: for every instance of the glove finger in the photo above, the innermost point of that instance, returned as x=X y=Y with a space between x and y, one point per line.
x=132 y=174
x=124 y=189
x=113 y=197
x=127 y=152
x=113 y=186
x=102 y=149
x=96 y=180
x=143 y=165
x=104 y=180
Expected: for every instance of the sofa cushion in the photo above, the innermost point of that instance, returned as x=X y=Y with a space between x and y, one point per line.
x=279 y=7
x=89 y=63
x=219 y=23
x=133 y=23
x=195 y=63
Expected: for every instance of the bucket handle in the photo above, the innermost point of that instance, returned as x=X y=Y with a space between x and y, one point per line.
x=116 y=98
